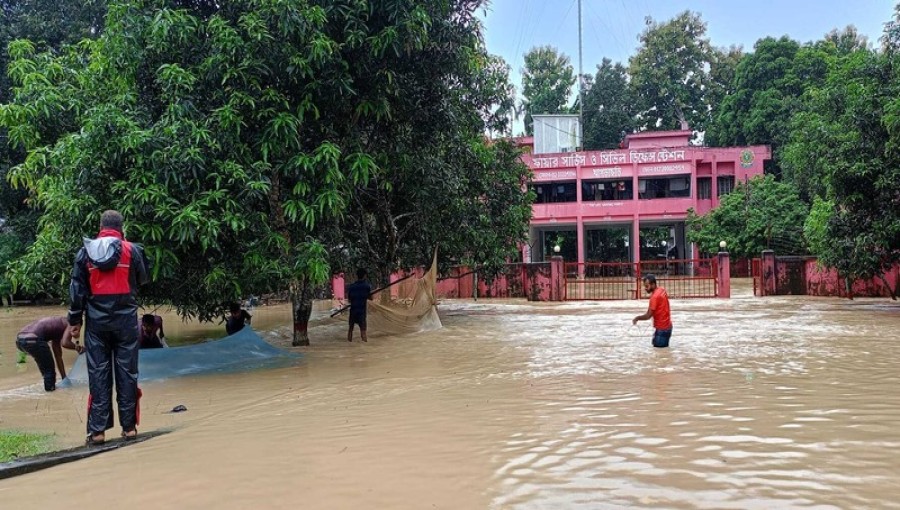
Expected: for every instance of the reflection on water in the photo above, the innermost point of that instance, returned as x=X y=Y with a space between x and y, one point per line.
x=776 y=403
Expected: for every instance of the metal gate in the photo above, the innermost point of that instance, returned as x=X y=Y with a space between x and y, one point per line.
x=593 y=281
x=791 y=273
x=756 y=273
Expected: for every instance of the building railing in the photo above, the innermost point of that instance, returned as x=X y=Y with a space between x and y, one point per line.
x=684 y=278
x=600 y=280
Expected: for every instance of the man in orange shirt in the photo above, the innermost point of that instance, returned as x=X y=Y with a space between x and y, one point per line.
x=659 y=310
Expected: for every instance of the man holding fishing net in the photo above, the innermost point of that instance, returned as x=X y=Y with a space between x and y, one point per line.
x=411 y=309
x=358 y=293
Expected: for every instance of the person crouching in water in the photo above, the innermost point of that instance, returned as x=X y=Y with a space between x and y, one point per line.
x=43 y=340
x=659 y=310
x=236 y=319
x=152 y=335
x=358 y=293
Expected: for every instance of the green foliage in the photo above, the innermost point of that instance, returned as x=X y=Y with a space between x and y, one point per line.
x=750 y=218
x=494 y=77
x=495 y=212
x=10 y=249
x=654 y=236
x=253 y=145
x=49 y=25
x=815 y=229
x=441 y=184
x=669 y=73
x=722 y=73
x=184 y=123
x=767 y=92
x=608 y=107
x=764 y=96
x=843 y=148
x=465 y=199
x=829 y=110
x=547 y=81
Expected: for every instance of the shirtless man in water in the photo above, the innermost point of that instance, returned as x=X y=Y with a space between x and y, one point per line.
x=43 y=340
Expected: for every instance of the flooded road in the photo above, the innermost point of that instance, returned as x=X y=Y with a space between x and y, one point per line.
x=760 y=403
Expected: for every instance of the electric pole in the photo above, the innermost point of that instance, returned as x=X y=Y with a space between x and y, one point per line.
x=580 y=85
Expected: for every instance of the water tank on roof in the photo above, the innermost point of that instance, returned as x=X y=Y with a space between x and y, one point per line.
x=556 y=133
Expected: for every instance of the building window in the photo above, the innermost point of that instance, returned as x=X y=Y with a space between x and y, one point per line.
x=668 y=187
x=606 y=190
x=726 y=185
x=554 y=192
x=704 y=188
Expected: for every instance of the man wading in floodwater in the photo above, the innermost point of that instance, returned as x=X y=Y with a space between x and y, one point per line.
x=358 y=293
x=659 y=310
x=105 y=278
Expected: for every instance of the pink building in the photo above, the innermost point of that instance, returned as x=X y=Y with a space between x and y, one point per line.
x=630 y=204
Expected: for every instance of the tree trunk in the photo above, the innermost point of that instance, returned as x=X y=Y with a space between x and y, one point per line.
x=301 y=305
x=888 y=287
x=848 y=285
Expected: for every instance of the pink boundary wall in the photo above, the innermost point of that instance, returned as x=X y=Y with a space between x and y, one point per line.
x=820 y=281
x=535 y=283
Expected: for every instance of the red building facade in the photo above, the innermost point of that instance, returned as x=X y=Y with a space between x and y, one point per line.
x=630 y=204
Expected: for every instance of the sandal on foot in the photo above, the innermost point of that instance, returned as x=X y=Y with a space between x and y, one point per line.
x=90 y=441
x=128 y=437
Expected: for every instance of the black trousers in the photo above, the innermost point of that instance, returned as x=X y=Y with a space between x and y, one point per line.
x=39 y=349
x=112 y=354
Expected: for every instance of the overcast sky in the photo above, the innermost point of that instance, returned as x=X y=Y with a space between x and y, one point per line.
x=612 y=27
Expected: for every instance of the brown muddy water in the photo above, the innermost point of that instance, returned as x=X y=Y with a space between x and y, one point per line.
x=759 y=403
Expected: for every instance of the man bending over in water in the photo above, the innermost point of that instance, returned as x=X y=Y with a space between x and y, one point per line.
x=659 y=310
x=43 y=340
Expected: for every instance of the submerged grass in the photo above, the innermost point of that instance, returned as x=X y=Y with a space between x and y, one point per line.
x=14 y=444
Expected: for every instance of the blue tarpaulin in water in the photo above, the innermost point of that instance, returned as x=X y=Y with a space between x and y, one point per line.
x=244 y=350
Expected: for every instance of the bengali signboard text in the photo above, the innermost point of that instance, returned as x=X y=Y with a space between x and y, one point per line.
x=604 y=158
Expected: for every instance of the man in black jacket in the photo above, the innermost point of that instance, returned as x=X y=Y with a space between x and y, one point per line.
x=105 y=278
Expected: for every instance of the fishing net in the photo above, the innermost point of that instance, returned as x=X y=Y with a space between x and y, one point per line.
x=407 y=306
x=244 y=350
